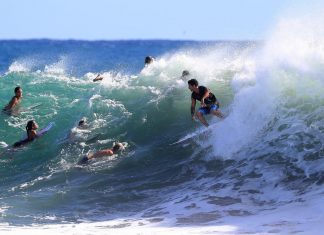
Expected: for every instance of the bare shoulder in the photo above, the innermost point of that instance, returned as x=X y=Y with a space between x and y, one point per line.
x=108 y=152
x=14 y=99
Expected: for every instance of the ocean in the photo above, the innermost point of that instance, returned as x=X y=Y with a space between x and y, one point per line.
x=258 y=171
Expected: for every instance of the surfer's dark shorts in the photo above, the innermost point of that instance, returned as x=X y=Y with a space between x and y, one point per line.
x=83 y=160
x=207 y=110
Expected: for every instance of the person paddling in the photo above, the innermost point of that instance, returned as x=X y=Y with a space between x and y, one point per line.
x=102 y=153
x=31 y=128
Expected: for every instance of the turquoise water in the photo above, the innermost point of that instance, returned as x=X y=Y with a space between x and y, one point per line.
x=271 y=140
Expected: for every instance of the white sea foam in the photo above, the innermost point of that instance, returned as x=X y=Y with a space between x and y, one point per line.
x=289 y=63
x=58 y=68
x=3 y=144
x=120 y=227
x=31 y=183
x=204 y=64
x=19 y=66
x=305 y=217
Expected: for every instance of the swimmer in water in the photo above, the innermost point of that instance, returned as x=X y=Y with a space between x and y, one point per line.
x=76 y=132
x=31 y=128
x=102 y=153
x=15 y=100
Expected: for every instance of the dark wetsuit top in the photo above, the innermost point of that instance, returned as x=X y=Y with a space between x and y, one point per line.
x=22 y=142
x=83 y=160
x=211 y=99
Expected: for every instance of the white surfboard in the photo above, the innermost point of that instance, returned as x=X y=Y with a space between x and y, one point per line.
x=199 y=132
x=45 y=129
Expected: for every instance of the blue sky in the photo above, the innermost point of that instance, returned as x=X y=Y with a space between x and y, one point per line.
x=140 y=19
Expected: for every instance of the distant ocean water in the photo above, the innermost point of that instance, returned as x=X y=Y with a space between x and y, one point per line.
x=259 y=171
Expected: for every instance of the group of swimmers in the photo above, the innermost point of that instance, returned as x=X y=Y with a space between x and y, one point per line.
x=31 y=126
x=208 y=105
x=208 y=102
x=32 y=134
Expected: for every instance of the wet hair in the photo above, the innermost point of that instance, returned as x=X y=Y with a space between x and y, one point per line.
x=81 y=122
x=117 y=147
x=193 y=82
x=17 y=88
x=185 y=73
x=29 y=125
x=148 y=59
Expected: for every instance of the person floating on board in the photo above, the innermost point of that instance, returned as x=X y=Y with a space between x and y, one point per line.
x=31 y=134
x=209 y=103
x=148 y=60
x=102 y=153
x=15 y=100
x=98 y=78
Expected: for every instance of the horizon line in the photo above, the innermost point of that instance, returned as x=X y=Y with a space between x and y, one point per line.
x=132 y=39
